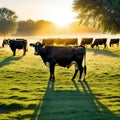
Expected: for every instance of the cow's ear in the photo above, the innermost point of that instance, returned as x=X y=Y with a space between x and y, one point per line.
x=32 y=45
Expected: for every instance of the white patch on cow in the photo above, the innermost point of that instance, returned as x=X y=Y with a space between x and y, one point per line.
x=47 y=64
x=73 y=62
x=57 y=64
x=37 y=43
x=76 y=66
x=8 y=42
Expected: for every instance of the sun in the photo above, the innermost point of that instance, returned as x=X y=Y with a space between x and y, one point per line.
x=61 y=23
x=61 y=19
x=62 y=16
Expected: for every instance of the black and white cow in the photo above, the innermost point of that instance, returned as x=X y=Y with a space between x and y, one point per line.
x=114 y=41
x=62 y=56
x=99 y=41
x=16 y=44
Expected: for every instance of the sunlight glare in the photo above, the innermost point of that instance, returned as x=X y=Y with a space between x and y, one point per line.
x=62 y=16
x=61 y=22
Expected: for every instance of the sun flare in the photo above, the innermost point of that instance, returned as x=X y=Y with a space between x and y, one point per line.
x=62 y=16
x=61 y=22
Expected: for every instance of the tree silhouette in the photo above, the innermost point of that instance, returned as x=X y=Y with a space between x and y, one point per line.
x=8 y=24
x=103 y=14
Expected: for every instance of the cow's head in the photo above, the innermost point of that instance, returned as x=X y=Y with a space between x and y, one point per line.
x=37 y=47
x=4 y=42
x=92 y=45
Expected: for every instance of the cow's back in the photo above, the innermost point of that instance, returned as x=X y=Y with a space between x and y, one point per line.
x=100 y=41
x=53 y=51
x=86 y=41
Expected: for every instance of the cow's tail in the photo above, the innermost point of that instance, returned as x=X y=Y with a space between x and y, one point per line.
x=26 y=45
x=84 y=68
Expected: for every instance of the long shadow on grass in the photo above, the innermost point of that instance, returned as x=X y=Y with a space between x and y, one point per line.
x=9 y=60
x=78 y=104
x=105 y=52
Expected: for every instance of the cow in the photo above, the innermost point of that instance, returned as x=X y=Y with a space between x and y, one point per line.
x=86 y=41
x=60 y=41
x=16 y=44
x=5 y=41
x=114 y=41
x=62 y=56
x=99 y=41
x=48 y=41
x=71 y=41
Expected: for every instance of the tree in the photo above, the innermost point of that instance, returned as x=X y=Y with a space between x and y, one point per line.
x=103 y=14
x=26 y=28
x=8 y=24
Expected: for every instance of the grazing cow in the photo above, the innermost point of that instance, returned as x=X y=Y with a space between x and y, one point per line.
x=86 y=41
x=114 y=41
x=60 y=41
x=99 y=41
x=5 y=41
x=16 y=44
x=62 y=56
x=71 y=41
x=48 y=41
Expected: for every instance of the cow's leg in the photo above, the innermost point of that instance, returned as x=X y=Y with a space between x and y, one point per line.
x=24 y=51
x=97 y=46
x=76 y=71
x=85 y=69
x=52 y=68
x=14 y=52
x=118 y=44
x=105 y=45
x=80 y=70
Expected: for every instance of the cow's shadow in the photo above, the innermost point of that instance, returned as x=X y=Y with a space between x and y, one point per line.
x=9 y=60
x=72 y=105
x=105 y=52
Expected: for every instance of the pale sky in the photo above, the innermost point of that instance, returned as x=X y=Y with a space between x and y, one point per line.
x=57 y=11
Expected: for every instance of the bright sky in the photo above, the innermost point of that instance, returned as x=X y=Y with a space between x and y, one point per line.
x=57 y=11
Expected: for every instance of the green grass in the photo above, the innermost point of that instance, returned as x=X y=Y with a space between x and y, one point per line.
x=26 y=93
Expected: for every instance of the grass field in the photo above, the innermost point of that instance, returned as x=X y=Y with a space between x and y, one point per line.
x=26 y=93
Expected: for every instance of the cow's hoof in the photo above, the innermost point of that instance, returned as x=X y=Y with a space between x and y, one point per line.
x=79 y=80
x=72 y=79
x=53 y=80
x=84 y=80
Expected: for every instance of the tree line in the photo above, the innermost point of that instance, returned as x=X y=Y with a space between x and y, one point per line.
x=42 y=27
